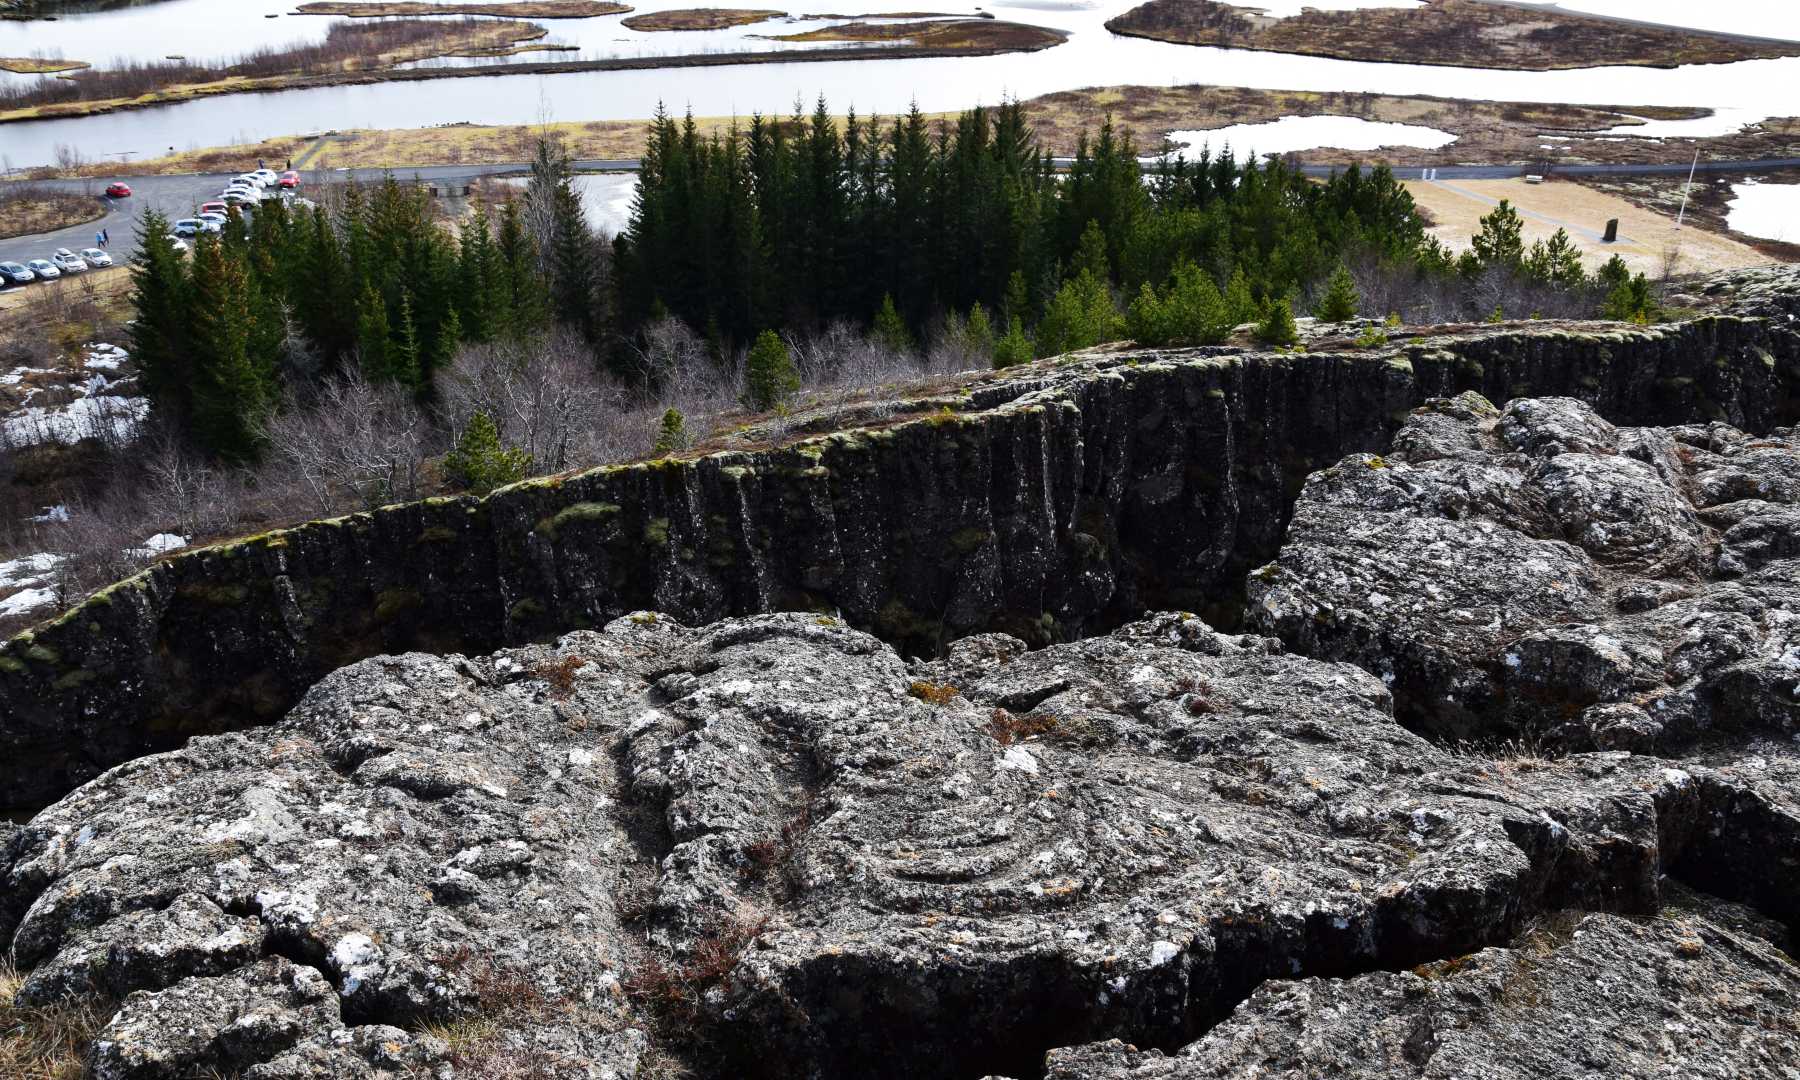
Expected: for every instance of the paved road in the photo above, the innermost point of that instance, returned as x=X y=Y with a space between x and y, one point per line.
x=177 y=196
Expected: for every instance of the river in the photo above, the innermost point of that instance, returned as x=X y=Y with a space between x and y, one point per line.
x=1092 y=57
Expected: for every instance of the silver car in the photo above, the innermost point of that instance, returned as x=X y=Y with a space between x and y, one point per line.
x=12 y=273
x=43 y=269
x=67 y=261
x=95 y=257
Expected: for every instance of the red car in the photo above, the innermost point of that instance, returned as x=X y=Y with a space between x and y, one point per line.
x=214 y=208
x=118 y=189
x=289 y=180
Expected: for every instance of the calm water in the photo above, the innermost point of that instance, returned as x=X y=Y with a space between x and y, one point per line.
x=1771 y=211
x=1092 y=57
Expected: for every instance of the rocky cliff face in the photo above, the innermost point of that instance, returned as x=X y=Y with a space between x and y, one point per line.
x=1504 y=781
x=1047 y=503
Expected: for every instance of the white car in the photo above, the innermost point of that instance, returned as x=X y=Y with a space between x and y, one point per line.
x=250 y=179
x=194 y=227
x=95 y=257
x=215 y=217
x=43 y=269
x=178 y=243
x=240 y=197
x=67 y=261
x=265 y=177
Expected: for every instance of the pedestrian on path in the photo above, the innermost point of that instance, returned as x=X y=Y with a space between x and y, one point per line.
x=105 y=237
x=100 y=239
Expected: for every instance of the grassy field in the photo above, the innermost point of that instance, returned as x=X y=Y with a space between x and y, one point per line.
x=1487 y=131
x=27 y=211
x=700 y=18
x=1708 y=202
x=518 y=9
x=949 y=34
x=1461 y=33
x=38 y=65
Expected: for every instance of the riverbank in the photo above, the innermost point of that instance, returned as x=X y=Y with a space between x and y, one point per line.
x=1455 y=33
x=518 y=9
x=350 y=51
x=1489 y=132
x=38 y=65
x=969 y=38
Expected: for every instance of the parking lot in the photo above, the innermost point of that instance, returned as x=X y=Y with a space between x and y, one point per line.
x=174 y=197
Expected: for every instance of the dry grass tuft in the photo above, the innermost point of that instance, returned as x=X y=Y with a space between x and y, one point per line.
x=932 y=693
x=1009 y=728
x=48 y=1043
x=560 y=674
x=672 y=991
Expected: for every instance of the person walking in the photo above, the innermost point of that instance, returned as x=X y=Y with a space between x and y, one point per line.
x=106 y=238
x=100 y=239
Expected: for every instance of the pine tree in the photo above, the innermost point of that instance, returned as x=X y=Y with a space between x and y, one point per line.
x=769 y=375
x=1277 y=326
x=1340 y=301
x=1090 y=254
x=890 y=329
x=1015 y=347
x=1501 y=239
x=978 y=332
x=1194 y=311
x=1081 y=315
x=480 y=463
x=1017 y=305
x=526 y=304
x=1145 y=321
x=1240 y=304
x=672 y=434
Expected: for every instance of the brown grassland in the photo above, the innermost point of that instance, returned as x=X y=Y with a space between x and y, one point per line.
x=517 y=9
x=1460 y=33
x=700 y=18
x=27 y=211
x=38 y=65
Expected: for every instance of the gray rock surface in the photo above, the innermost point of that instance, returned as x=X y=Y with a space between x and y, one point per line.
x=1577 y=996
x=1537 y=572
x=771 y=847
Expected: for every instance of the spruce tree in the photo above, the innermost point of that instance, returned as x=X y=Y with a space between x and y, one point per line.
x=1079 y=316
x=1277 y=326
x=769 y=375
x=480 y=463
x=1240 y=305
x=1090 y=254
x=1501 y=239
x=890 y=329
x=1015 y=347
x=671 y=435
x=402 y=357
x=1340 y=301
x=1194 y=311
x=231 y=394
x=978 y=331
x=159 y=334
x=372 y=335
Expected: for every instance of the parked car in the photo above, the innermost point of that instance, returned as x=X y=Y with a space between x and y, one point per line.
x=12 y=273
x=178 y=243
x=265 y=177
x=215 y=218
x=67 y=261
x=187 y=227
x=214 y=207
x=118 y=189
x=289 y=180
x=240 y=197
x=43 y=269
x=95 y=257
x=250 y=179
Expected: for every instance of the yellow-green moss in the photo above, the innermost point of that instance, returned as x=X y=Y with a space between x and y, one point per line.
x=390 y=603
x=78 y=677
x=12 y=666
x=574 y=514
x=656 y=532
x=436 y=534
x=226 y=594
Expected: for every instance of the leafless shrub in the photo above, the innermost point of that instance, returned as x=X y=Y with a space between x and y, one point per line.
x=547 y=397
x=356 y=445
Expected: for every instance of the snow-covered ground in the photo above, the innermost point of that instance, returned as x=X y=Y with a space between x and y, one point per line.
x=98 y=402
x=28 y=583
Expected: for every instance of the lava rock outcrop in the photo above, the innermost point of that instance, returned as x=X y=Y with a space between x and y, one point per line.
x=1049 y=502
x=1535 y=572
x=771 y=847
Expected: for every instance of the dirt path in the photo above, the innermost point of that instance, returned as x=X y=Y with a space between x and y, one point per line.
x=1644 y=235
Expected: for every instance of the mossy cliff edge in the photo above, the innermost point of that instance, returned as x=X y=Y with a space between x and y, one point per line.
x=1054 y=503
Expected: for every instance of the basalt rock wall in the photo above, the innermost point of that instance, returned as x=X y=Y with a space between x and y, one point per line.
x=1051 y=502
